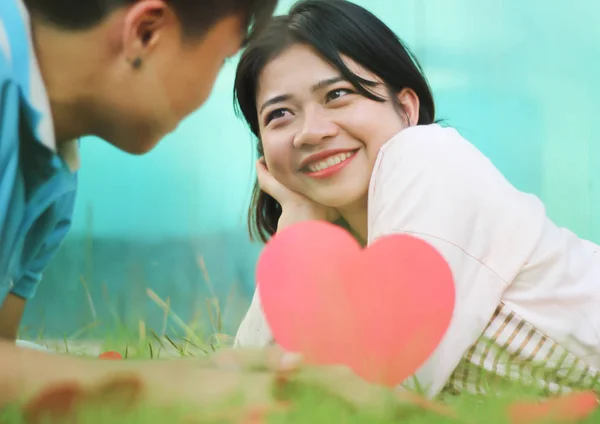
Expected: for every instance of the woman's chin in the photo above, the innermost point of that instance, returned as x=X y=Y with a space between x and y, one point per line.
x=344 y=201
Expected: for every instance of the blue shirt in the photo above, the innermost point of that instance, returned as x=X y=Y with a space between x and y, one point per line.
x=37 y=186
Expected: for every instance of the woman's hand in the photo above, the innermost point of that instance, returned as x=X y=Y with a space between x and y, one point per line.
x=295 y=206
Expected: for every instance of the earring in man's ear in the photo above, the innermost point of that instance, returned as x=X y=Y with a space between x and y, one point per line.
x=136 y=63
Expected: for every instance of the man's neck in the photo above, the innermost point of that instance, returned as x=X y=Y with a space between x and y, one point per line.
x=67 y=70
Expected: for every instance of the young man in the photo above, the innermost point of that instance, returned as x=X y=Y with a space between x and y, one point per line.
x=124 y=70
x=127 y=71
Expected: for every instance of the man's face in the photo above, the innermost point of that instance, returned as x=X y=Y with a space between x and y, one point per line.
x=174 y=79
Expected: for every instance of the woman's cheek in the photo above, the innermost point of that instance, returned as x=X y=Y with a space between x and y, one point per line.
x=277 y=155
x=283 y=174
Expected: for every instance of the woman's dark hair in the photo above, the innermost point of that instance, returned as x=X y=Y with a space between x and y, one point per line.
x=332 y=28
x=196 y=16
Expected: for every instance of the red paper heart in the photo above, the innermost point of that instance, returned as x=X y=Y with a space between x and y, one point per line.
x=382 y=310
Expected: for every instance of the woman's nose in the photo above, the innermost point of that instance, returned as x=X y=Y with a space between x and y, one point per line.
x=316 y=127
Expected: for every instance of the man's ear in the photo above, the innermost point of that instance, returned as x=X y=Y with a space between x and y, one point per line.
x=410 y=104
x=143 y=26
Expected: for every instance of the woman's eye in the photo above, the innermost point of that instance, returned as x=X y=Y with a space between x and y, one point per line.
x=336 y=94
x=276 y=114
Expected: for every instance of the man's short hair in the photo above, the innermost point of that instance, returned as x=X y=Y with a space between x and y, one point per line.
x=196 y=16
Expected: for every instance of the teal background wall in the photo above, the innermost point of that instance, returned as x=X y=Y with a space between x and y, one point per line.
x=519 y=79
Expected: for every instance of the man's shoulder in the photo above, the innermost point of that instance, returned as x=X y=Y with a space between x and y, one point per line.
x=10 y=111
x=10 y=55
x=15 y=42
x=15 y=57
x=21 y=83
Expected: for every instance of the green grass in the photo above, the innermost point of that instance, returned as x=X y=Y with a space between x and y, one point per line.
x=310 y=405
x=307 y=404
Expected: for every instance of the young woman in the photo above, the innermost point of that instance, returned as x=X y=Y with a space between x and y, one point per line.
x=345 y=122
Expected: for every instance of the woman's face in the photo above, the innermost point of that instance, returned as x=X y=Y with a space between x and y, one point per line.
x=320 y=137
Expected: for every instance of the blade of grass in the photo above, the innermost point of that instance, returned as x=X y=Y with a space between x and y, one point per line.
x=157 y=338
x=166 y=315
x=178 y=321
x=83 y=330
x=88 y=295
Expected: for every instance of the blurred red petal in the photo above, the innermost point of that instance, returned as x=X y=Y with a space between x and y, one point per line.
x=55 y=402
x=110 y=355
x=123 y=391
x=569 y=408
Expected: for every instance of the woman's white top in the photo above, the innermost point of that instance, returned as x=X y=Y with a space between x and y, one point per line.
x=527 y=291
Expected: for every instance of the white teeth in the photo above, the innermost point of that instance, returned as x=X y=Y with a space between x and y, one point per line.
x=330 y=161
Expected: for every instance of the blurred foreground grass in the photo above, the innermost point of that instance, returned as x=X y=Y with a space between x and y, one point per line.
x=306 y=404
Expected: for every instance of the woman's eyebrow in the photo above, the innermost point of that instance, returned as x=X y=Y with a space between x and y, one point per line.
x=327 y=82
x=273 y=100
x=315 y=87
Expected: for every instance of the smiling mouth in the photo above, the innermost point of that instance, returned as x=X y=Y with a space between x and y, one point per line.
x=329 y=162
